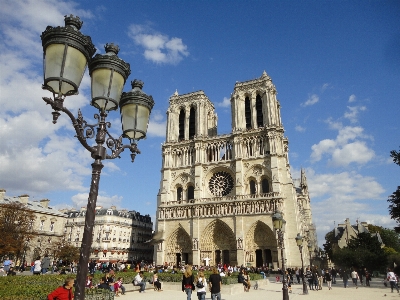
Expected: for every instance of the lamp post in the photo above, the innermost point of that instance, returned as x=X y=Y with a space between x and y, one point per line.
x=309 y=246
x=299 y=241
x=279 y=226
x=66 y=53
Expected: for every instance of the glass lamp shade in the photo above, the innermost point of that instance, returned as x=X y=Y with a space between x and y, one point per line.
x=135 y=111
x=108 y=73
x=65 y=54
x=277 y=220
x=299 y=240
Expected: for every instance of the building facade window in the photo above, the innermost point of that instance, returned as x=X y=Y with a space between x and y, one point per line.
x=259 y=111
x=192 y=123
x=252 y=187
x=182 y=125
x=247 y=112
x=265 y=185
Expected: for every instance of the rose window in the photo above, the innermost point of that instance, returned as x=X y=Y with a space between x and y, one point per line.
x=221 y=184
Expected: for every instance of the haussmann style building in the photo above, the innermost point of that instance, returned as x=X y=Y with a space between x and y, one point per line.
x=218 y=192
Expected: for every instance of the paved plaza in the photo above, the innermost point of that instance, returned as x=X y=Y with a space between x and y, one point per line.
x=273 y=291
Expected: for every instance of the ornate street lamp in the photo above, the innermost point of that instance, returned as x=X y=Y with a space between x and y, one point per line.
x=299 y=241
x=279 y=225
x=66 y=53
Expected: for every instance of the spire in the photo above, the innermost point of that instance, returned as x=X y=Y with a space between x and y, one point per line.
x=303 y=181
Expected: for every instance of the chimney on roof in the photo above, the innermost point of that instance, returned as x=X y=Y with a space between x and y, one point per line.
x=2 y=193
x=24 y=199
x=365 y=224
x=83 y=208
x=45 y=203
x=113 y=207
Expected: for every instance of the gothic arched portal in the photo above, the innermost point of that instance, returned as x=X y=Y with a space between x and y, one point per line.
x=218 y=244
x=178 y=247
x=260 y=244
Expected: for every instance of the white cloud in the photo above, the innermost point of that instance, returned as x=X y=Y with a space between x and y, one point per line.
x=311 y=100
x=356 y=152
x=352 y=98
x=300 y=128
x=352 y=114
x=81 y=200
x=347 y=148
x=157 y=125
x=337 y=196
x=325 y=86
x=158 y=47
x=226 y=102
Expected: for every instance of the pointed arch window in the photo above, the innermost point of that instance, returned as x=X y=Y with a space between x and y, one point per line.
x=179 y=191
x=247 y=112
x=190 y=192
x=252 y=187
x=182 y=125
x=259 y=111
x=265 y=186
x=192 y=123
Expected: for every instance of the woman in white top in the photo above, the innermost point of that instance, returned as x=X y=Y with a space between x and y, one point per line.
x=201 y=286
x=37 y=266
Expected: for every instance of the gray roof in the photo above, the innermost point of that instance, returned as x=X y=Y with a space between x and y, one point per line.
x=34 y=206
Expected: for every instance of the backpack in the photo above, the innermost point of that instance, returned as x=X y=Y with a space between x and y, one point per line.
x=199 y=284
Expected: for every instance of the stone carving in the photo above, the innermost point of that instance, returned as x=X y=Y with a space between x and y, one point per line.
x=239 y=243
x=203 y=210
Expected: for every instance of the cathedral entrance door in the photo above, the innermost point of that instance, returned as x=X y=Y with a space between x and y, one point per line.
x=217 y=257
x=178 y=259
x=185 y=257
x=268 y=257
x=225 y=257
x=259 y=258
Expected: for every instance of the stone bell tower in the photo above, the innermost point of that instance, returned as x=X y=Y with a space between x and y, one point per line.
x=218 y=192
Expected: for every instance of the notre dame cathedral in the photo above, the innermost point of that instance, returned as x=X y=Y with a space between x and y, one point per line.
x=218 y=192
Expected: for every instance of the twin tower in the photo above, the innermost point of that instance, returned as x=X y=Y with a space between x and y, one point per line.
x=218 y=192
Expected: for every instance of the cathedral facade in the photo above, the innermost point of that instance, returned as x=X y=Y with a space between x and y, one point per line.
x=218 y=192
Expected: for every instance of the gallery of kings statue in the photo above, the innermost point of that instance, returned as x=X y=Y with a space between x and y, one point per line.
x=218 y=193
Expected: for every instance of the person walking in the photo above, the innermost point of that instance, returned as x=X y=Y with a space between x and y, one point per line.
x=391 y=277
x=215 y=282
x=309 y=277
x=328 y=279
x=345 y=277
x=333 y=273
x=367 y=278
x=37 y=266
x=201 y=286
x=187 y=282
x=354 y=277
x=45 y=264
x=7 y=264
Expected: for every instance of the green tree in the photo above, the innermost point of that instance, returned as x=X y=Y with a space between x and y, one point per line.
x=362 y=251
x=394 y=199
x=390 y=237
x=67 y=253
x=16 y=227
x=330 y=241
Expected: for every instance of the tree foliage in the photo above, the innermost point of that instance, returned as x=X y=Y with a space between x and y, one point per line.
x=390 y=237
x=16 y=227
x=362 y=251
x=330 y=241
x=66 y=252
x=394 y=199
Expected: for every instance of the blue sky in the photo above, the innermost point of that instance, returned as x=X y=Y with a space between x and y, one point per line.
x=335 y=64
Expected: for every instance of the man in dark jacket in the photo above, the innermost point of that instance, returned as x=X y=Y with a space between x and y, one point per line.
x=45 y=264
x=63 y=292
x=215 y=282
